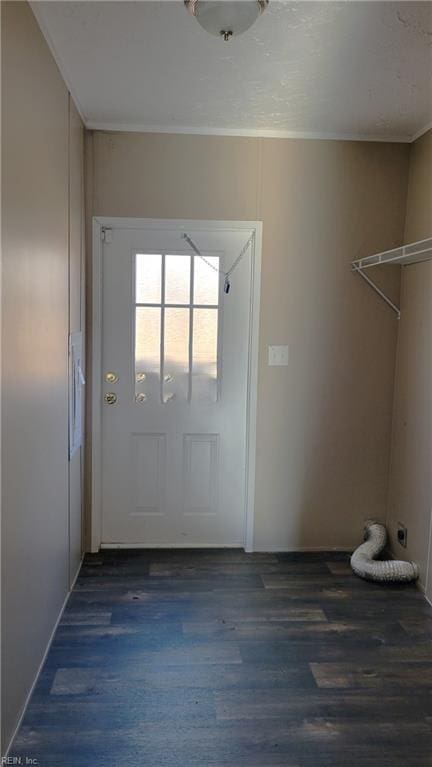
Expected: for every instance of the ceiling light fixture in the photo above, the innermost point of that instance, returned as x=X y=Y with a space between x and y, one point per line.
x=226 y=18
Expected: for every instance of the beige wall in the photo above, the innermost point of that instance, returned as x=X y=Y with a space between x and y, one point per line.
x=324 y=422
x=37 y=119
x=410 y=495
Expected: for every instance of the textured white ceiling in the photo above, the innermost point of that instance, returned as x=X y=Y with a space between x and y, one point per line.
x=331 y=68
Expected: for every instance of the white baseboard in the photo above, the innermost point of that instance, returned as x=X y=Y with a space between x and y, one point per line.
x=35 y=681
x=422 y=588
x=114 y=546
x=302 y=549
x=258 y=549
x=419 y=583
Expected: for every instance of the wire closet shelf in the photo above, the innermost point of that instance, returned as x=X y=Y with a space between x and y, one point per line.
x=414 y=253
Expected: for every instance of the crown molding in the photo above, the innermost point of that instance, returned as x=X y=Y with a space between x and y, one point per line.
x=422 y=131
x=244 y=132
x=49 y=41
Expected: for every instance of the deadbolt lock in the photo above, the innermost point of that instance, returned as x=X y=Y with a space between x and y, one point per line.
x=111 y=377
x=110 y=398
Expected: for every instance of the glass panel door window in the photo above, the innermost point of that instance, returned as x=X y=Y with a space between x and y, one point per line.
x=176 y=327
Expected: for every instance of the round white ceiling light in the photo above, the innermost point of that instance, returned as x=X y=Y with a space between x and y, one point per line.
x=226 y=18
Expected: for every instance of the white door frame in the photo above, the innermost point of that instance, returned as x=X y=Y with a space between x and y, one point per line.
x=102 y=222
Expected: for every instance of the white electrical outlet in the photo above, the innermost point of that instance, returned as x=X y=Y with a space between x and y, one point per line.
x=278 y=356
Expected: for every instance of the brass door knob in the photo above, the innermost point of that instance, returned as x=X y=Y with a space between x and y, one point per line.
x=110 y=398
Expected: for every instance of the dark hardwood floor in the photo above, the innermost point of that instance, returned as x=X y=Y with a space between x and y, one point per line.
x=218 y=658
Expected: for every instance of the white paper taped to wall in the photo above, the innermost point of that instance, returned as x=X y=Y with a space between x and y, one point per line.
x=76 y=382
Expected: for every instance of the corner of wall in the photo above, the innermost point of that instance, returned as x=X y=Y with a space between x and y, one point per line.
x=89 y=206
x=409 y=495
x=395 y=362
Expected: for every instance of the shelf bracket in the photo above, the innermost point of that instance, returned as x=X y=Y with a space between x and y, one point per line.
x=378 y=290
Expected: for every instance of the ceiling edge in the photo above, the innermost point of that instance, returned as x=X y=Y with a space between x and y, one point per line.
x=186 y=130
x=245 y=132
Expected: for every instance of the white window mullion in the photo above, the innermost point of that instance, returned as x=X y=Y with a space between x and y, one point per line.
x=219 y=334
x=192 y=273
x=162 y=333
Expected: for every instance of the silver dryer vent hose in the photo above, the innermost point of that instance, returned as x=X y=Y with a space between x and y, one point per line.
x=364 y=564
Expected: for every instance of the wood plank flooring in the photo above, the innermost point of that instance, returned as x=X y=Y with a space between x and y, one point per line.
x=219 y=658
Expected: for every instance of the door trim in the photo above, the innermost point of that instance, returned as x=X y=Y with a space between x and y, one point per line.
x=95 y=365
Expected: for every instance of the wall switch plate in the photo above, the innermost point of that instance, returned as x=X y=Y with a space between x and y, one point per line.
x=278 y=355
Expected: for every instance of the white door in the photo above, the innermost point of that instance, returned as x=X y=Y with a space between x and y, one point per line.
x=175 y=361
